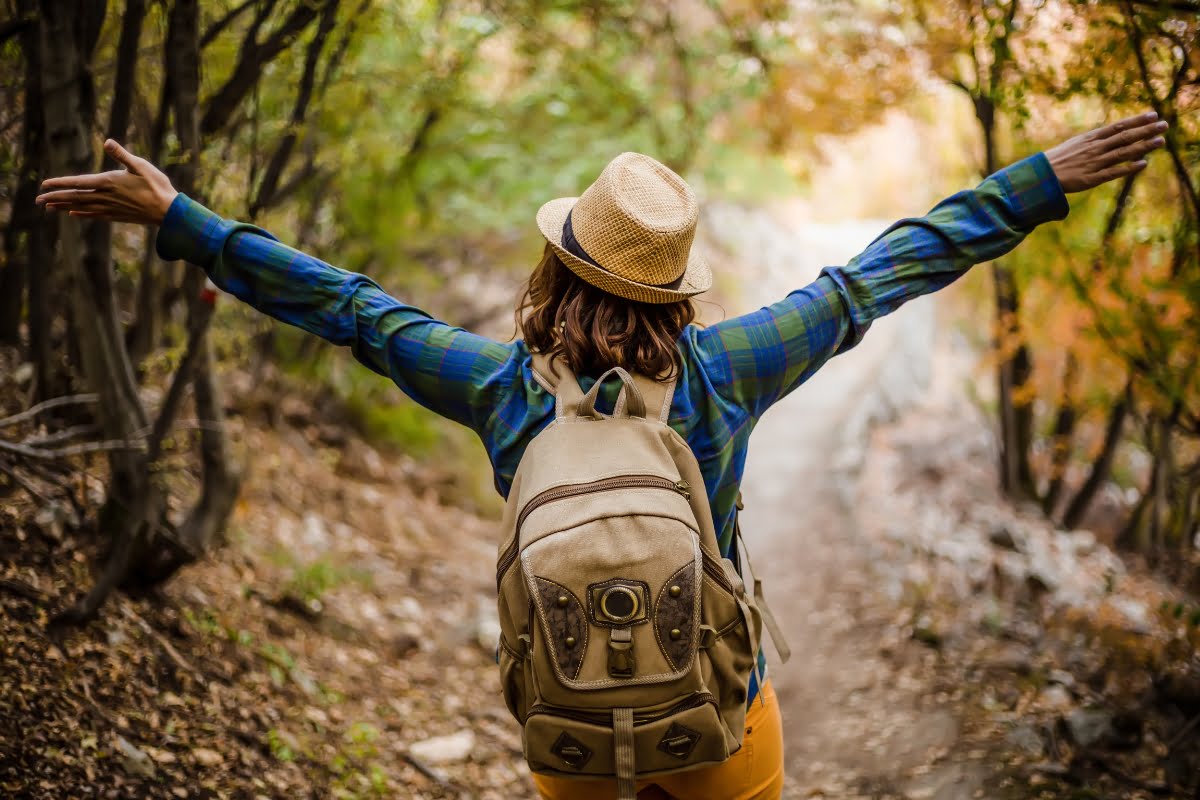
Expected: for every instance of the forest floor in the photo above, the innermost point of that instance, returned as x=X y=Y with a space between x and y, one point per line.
x=945 y=644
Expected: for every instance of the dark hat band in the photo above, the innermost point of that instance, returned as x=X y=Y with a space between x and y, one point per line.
x=572 y=246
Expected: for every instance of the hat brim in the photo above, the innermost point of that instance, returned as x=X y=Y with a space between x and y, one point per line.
x=697 y=277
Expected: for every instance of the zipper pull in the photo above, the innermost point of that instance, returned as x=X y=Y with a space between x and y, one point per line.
x=683 y=488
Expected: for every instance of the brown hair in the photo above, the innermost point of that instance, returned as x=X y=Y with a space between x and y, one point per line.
x=562 y=315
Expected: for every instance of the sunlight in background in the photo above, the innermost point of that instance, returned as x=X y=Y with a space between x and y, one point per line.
x=235 y=561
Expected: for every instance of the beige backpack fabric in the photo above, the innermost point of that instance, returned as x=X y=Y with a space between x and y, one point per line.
x=627 y=641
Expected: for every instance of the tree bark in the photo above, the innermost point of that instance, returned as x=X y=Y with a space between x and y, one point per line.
x=49 y=375
x=1016 y=420
x=220 y=479
x=1102 y=466
x=98 y=233
x=1060 y=439
x=14 y=276
x=135 y=503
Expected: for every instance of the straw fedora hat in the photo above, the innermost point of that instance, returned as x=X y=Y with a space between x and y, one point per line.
x=630 y=233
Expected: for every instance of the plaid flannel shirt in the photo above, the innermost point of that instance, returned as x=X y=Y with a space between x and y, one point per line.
x=733 y=371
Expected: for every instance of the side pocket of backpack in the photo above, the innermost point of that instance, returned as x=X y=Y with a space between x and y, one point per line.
x=514 y=680
x=729 y=644
x=515 y=613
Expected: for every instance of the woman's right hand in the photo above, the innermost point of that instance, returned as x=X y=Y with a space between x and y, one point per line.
x=140 y=193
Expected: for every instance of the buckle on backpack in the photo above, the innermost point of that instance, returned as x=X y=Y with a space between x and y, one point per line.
x=573 y=752
x=679 y=741
x=621 y=661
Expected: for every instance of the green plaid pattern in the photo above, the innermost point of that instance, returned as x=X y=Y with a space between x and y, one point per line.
x=733 y=371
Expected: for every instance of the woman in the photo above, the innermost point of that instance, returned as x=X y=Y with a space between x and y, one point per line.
x=608 y=295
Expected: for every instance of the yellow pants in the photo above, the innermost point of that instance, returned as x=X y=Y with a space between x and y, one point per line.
x=754 y=772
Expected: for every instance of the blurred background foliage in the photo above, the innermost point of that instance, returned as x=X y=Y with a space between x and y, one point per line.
x=414 y=140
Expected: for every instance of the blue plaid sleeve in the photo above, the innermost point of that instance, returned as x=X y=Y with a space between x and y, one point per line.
x=449 y=370
x=755 y=359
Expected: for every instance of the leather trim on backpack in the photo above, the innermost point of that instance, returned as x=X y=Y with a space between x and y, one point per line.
x=677 y=613
x=598 y=619
x=564 y=622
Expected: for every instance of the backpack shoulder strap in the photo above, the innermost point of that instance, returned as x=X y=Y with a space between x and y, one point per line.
x=557 y=378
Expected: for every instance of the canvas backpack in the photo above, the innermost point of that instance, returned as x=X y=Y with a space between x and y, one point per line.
x=627 y=641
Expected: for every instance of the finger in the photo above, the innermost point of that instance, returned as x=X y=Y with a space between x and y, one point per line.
x=94 y=201
x=1118 y=171
x=1135 y=134
x=75 y=182
x=1131 y=152
x=65 y=196
x=1125 y=124
x=108 y=215
x=84 y=205
x=123 y=156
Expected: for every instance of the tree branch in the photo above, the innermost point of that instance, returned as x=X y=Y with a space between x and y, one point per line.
x=73 y=450
x=283 y=152
x=124 y=82
x=46 y=405
x=1168 y=5
x=251 y=58
x=218 y=27
x=1181 y=170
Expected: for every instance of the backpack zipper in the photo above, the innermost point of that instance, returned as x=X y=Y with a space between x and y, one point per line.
x=562 y=492
x=715 y=571
x=600 y=718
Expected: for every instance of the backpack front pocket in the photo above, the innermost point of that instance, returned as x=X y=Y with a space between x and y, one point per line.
x=681 y=735
x=617 y=606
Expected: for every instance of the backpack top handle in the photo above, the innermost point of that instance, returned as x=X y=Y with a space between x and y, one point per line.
x=556 y=377
x=634 y=405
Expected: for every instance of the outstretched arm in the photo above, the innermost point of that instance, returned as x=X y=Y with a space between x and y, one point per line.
x=446 y=369
x=755 y=359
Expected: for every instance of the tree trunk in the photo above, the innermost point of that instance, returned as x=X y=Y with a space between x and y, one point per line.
x=98 y=234
x=1102 y=466
x=135 y=503
x=1016 y=418
x=49 y=376
x=221 y=481
x=1060 y=439
x=13 y=276
x=144 y=333
x=146 y=329
x=1188 y=510
x=1142 y=531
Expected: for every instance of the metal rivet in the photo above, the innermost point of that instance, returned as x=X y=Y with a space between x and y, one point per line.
x=563 y=600
x=676 y=633
x=675 y=591
x=570 y=641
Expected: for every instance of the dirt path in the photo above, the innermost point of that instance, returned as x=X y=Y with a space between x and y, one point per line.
x=855 y=725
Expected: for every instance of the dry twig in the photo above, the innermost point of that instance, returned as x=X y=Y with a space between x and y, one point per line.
x=166 y=646
x=46 y=405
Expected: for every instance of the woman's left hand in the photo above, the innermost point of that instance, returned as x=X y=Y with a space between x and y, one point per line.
x=1107 y=153
x=140 y=193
